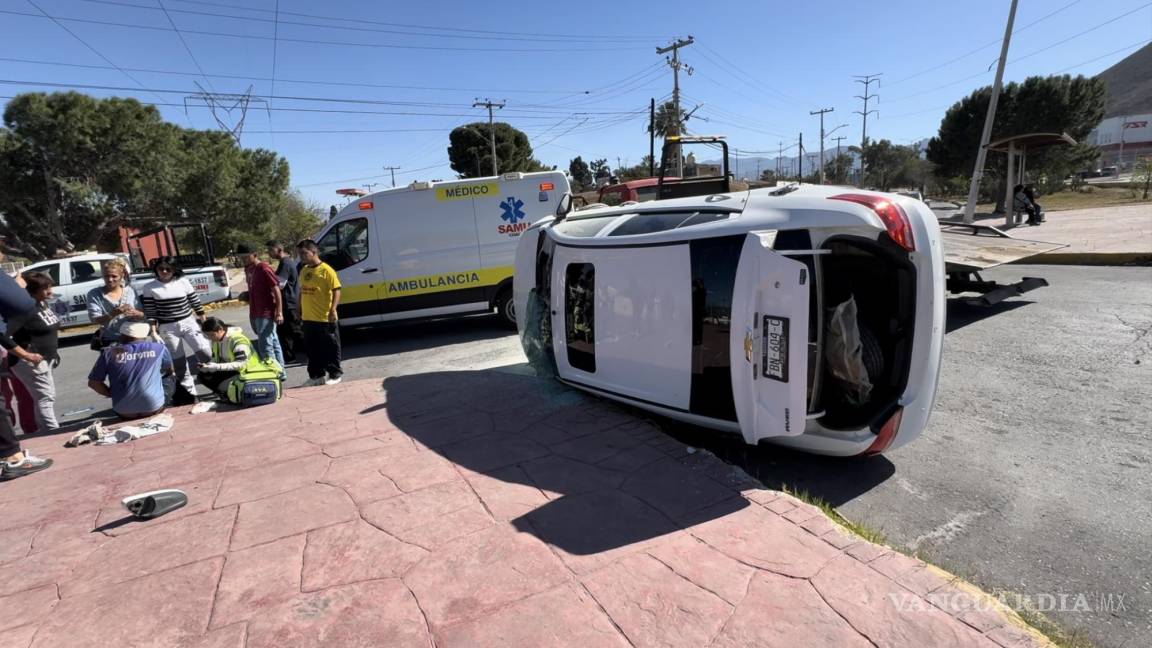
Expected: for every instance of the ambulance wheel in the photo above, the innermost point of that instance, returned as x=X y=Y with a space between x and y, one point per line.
x=506 y=308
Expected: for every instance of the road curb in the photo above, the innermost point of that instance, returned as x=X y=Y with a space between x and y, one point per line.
x=226 y=303
x=1090 y=259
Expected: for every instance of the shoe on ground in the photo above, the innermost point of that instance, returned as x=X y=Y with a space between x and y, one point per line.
x=27 y=466
x=334 y=381
x=313 y=382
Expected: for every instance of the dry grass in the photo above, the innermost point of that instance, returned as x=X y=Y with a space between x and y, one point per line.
x=1096 y=197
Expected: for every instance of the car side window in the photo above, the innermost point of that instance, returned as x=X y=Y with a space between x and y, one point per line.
x=84 y=271
x=580 y=315
x=52 y=270
x=346 y=244
x=651 y=223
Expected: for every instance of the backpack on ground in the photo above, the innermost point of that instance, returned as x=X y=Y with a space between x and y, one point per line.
x=257 y=384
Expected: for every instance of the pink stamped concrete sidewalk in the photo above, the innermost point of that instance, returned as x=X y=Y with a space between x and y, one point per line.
x=483 y=508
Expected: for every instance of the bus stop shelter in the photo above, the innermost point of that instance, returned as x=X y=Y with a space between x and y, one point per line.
x=1017 y=147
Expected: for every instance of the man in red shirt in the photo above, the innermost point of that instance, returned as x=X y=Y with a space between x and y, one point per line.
x=265 y=308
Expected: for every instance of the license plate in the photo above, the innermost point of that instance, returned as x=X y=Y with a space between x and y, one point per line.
x=775 y=348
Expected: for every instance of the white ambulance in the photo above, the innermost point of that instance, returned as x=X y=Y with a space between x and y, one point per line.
x=433 y=249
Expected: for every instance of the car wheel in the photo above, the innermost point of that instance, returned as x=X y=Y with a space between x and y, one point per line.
x=506 y=308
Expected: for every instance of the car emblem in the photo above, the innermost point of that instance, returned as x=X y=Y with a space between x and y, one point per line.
x=748 y=344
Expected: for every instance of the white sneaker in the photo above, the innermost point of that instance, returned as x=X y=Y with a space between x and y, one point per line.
x=313 y=382
x=333 y=381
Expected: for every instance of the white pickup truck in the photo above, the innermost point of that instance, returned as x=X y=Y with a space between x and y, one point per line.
x=75 y=276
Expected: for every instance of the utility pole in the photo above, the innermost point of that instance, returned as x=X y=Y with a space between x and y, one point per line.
x=736 y=159
x=779 y=161
x=491 y=129
x=982 y=152
x=821 y=112
x=652 y=138
x=392 y=170
x=866 y=80
x=800 y=160
x=838 y=138
x=369 y=185
x=676 y=65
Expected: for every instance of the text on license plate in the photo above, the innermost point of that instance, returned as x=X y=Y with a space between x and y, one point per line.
x=775 y=348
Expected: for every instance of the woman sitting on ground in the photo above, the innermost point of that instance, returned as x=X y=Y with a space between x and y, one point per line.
x=230 y=352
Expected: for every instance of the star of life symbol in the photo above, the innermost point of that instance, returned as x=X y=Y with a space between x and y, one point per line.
x=513 y=211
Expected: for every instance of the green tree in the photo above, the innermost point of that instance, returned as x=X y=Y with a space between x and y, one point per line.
x=837 y=169
x=597 y=165
x=889 y=165
x=72 y=166
x=581 y=174
x=665 y=120
x=1055 y=104
x=641 y=170
x=470 y=153
x=768 y=175
x=296 y=220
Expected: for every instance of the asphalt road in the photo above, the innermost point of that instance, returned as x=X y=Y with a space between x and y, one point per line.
x=1033 y=476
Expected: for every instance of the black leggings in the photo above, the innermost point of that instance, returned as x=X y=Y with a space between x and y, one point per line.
x=216 y=380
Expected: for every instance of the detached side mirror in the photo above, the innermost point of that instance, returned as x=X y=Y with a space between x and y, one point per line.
x=564 y=207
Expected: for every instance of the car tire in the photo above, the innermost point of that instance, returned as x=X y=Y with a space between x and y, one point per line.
x=506 y=308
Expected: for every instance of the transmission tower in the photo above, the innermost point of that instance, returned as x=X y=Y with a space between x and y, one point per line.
x=228 y=109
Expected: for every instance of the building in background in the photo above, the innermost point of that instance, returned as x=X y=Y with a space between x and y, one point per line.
x=1125 y=134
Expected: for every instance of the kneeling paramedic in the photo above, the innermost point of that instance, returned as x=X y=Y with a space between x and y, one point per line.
x=234 y=364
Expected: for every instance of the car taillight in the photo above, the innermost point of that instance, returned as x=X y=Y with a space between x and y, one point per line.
x=887 y=433
x=221 y=278
x=891 y=214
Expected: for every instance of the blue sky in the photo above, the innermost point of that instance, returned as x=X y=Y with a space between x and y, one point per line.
x=345 y=87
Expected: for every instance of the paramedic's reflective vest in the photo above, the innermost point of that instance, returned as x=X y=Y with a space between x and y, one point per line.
x=225 y=350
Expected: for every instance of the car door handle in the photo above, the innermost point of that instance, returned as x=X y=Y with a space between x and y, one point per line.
x=367 y=270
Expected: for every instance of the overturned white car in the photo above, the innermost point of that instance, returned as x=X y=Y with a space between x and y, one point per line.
x=811 y=317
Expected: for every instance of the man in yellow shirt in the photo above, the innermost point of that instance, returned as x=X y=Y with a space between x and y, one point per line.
x=319 y=297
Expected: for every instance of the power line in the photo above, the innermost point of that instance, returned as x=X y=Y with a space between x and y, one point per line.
x=283 y=80
x=1060 y=71
x=371 y=177
x=184 y=43
x=45 y=14
x=539 y=146
x=109 y=23
x=275 y=44
x=1026 y=56
x=549 y=113
x=490 y=33
x=302 y=110
x=744 y=78
x=359 y=26
x=982 y=47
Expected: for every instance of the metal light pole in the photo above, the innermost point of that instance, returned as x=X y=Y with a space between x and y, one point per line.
x=982 y=152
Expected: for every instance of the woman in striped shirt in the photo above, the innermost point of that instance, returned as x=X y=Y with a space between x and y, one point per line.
x=171 y=301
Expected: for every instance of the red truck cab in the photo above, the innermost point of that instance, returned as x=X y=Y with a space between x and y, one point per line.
x=634 y=190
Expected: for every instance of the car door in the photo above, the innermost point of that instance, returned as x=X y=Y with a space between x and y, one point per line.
x=348 y=247
x=82 y=276
x=769 y=341
x=622 y=320
x=61 y=304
